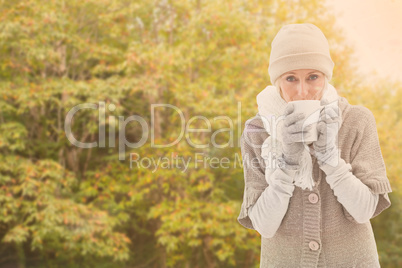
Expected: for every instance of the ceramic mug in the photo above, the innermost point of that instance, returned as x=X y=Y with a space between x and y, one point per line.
x=311 y=110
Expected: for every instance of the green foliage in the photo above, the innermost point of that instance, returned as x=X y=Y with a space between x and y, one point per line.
x=61 y=204
x=37 y=208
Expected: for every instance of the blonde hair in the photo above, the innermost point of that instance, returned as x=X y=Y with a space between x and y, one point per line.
x=278 y=88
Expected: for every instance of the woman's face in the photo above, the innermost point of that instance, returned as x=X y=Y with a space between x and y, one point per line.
x=303 y=84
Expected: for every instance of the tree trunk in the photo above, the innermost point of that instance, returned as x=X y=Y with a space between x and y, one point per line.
x=21 y=254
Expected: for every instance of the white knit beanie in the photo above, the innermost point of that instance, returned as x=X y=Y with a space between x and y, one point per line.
x=299 y=46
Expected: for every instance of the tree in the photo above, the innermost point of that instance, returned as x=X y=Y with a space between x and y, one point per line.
x=65 y=204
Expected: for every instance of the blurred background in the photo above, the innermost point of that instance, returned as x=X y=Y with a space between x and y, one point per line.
x=66 y=206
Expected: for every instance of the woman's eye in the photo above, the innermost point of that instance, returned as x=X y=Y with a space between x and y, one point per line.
x=313 y=77
x=290 y=78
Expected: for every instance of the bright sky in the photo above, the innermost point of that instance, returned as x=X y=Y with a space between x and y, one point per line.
x=374 y=27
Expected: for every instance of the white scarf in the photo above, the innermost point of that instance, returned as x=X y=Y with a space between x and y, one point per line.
x=270 y=106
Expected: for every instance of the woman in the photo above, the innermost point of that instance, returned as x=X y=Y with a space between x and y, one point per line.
x=312 y=204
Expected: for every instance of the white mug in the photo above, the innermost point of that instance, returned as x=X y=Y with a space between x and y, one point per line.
x=311 y=110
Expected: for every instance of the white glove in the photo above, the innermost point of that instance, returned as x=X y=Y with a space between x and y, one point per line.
x=325 y=148
x=292 y=133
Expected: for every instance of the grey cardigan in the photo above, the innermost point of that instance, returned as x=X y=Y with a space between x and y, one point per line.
x=317 y=231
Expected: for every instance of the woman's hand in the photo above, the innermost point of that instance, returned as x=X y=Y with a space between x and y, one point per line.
x=325 y=148
x=292 y=133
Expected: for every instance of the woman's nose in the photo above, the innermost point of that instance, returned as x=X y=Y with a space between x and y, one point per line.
x=302 y=89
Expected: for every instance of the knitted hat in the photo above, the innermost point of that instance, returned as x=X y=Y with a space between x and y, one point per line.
x=299 y=46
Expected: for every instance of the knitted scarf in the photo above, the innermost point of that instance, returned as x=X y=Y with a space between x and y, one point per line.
x=270 y=107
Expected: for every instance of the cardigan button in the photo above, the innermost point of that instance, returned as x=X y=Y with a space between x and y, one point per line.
x=313 y=198
x=313 y=245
